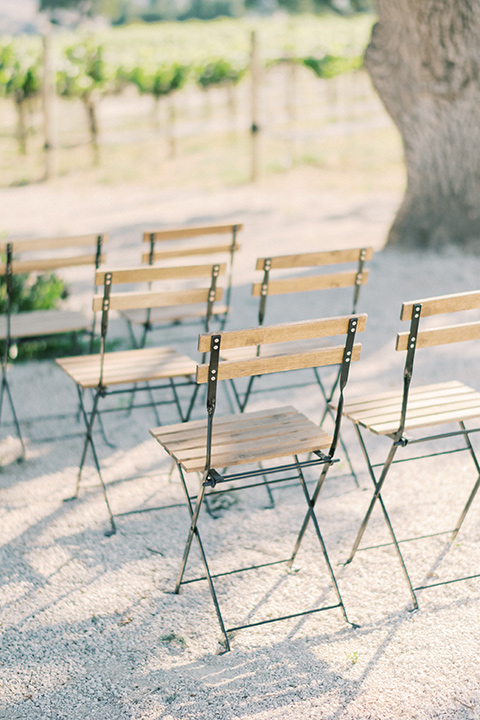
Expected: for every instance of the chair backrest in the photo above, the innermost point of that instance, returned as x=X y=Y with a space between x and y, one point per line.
x=341 y=354
x=416 y=338
x=354 y=277
x=41 y=255
x=48 y=254
x=189 y=242
x=134 y=299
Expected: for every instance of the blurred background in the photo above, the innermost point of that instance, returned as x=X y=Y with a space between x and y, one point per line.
x=181 y=93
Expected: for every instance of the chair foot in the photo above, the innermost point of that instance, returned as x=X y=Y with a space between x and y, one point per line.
x=69 y=499
x=112 y=531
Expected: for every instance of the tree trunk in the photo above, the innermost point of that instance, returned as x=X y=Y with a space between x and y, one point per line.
x=91 y=108
x=424 y=60
x=21 y=125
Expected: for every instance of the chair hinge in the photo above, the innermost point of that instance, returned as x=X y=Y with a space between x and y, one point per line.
x=325 y=458
x=401 y=443
x=212 y=478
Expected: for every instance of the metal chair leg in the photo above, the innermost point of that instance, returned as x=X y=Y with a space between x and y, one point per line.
x=6 y=387
x=193 y=532
x=89 y=422
x=312 y=515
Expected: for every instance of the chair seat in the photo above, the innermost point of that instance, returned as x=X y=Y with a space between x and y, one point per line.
x=240 y=439
x=129 y=366
x=427 y=405
x=172 y=314
x=37 y=323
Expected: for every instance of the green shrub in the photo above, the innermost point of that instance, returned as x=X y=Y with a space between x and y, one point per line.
x=40 y=293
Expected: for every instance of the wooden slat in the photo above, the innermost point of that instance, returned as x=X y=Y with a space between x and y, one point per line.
x=230 y=369
x=310 y=282
x=378 y=398
x=442 y=304
x=252 y=447
x=283 y=332
x=151 y=273
x=286 y=449
x=246 y=353
x=129 y=366
x=441 y=336
x=132 y=300
x=429 y=394
x=39 y=323
x=172 y=314
x=427 y=405
x=171 y=233
x=229 y=428
x=53 y=242
x=188 y=251
x=277 y=433
x=417 y=409
x=169 y=432
x=46 y=264
x=328 y=257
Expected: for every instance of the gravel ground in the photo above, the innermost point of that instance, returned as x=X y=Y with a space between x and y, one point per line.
x=90 y=626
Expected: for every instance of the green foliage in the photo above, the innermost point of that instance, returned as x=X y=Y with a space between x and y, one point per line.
x=19 y=71
x=158 y=80
x=329 y=66
x=43 y=293
x=84 y=70
x=221 y=71
x=37 y=293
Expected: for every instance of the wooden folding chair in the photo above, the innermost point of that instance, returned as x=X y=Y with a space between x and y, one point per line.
x=113 y=373
x=407 y=417
x=185 y=244
x=250 y=438
x=35 y=258
x=285 y=285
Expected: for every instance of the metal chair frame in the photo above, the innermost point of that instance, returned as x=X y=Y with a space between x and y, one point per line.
x=213 y=476
x=111 y=301
x=410 y=402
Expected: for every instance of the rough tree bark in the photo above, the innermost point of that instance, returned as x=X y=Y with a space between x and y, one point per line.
x=424 y=61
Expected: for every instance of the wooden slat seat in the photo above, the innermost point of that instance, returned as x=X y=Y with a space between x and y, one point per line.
x=129 y=366
x=37 y=323
x=427 y=405
x=248 y=438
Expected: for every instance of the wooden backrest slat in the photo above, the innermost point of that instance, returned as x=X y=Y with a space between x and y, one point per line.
x=44 y=265
x=53 y=243
x=442 y=304
x=230 y=369
x=283 y=332
x=136 y=300
x=151 y=273
x=441 y=336
x=318 y=259
x=310 y=282
x=175 y=233
x=190 y=251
